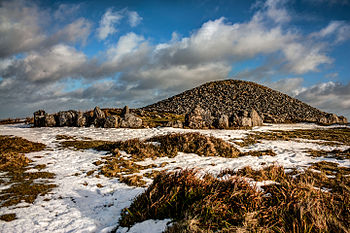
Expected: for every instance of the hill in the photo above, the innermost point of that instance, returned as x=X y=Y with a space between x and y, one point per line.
x=230 y=96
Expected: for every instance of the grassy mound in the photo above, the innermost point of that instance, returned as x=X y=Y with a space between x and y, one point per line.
x=210 y=204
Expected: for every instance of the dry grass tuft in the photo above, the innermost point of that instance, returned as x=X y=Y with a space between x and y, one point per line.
x=330 y=136
x=160 y=146
x=14 y=166
x=8 y=217
x=209 y=204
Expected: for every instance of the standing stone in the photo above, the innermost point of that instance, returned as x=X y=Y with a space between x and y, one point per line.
x=50 y=120
x=223 y=122
x=174 y=124
x=246 y=119
x=125 y=111
x=130 y=121
x=111 y=122
x=81 y=119
x=99 y=117
x=343 y=120
x=256 y=119
x=198 y=118
x=67 y=118
x=39 y=118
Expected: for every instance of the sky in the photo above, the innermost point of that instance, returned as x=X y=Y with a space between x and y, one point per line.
x=61 y=55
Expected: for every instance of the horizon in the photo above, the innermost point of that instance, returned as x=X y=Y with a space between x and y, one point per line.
x=62 y=55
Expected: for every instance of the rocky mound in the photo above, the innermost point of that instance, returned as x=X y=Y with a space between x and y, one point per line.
x=229 y=97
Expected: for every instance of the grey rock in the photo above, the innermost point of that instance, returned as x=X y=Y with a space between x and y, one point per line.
x=39 y=118
x=125 y=111
x=256 y=119
x=99 y=117
x=81 y=119
x=130 y=121
x=198 y=118
x=175 y=124
x=67 y=118
x=223 y=122
x=246 y=118
x=111 y=122
x=343 y=120
x=50 y=120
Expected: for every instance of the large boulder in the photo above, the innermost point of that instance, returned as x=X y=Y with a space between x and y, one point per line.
x=81 y=119
x=222 y=122
x=331 y=118
x=39 y=118
x=174 y=124
x=129 y=120
x=246 y=118
x=67 y=118
x=50 y=120
x=198 y=118
x=343 y=120
x=112 y=122
x=256 y=119
x=99 y=117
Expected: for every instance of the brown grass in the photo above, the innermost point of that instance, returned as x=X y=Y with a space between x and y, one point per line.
x=337 y=154
x=330 y=136
x=209 y=204
x=14 y=165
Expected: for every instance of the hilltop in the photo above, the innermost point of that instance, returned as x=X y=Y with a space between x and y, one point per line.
x=231 y=96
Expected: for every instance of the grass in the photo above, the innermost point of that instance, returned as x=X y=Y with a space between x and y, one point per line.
x=167 y=146
x=209 y=204
x=330 y=136
x=337 y=154
x=159 y=146
x=23 y=185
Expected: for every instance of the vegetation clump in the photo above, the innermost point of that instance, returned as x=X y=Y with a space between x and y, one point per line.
x=23 y=185
x=328 y=136
x=209 y=204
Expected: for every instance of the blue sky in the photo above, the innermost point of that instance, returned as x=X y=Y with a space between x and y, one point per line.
x=60 y=55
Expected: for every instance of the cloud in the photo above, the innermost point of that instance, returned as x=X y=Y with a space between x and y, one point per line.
x=112 y=18
x=329 y=96
x=340 y=30
x=66 y=10
x=22 y=29
x=19 y=27
x=132 y=70
x=107 y=23
x=134 y=18
x=48 y=65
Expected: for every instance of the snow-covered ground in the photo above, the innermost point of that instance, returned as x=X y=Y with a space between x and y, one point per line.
x=78 y=205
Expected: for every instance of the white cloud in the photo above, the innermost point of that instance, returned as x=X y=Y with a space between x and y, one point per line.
x=340 y=30
x=276 y=11
x=134 y=18
x=49 y=65
x=112 y=18
x=107 y=23
x=302 y=59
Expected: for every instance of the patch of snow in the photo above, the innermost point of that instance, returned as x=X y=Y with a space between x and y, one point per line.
x=78 y=205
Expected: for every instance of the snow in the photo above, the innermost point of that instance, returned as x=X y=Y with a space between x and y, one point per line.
x=78 y=205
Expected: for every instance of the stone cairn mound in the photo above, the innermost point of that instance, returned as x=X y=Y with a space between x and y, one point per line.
x=227 y=103
x=96 y=118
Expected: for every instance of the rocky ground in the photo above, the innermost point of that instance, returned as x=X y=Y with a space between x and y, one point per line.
x=232 y=96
